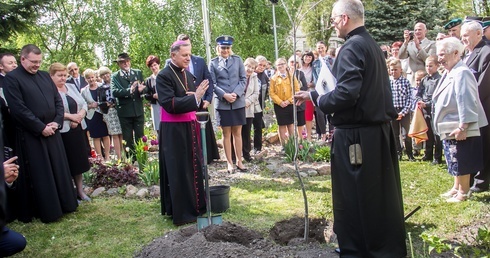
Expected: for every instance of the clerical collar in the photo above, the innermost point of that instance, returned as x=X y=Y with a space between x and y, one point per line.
x=176 y=66
x=355 y=31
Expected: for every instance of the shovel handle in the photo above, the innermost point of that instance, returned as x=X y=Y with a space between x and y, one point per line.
x=412 y=212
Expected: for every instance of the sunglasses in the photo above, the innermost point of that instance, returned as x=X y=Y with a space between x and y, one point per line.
x=225 y=47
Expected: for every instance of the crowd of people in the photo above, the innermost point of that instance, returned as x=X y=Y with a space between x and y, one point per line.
x=447 y=80
x=366 y=113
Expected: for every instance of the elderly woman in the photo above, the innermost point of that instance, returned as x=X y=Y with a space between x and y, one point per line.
x=110 y=115
x=252 y=105
x=96 y=125
x=457 y=117
x=229 y=77
x=73 y=124
x=282 y=92
x=153 y=63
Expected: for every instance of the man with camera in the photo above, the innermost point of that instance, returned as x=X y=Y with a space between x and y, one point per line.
x=416 y=47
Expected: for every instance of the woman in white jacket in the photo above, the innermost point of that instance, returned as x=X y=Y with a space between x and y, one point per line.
x=457 y=117
x=251 y=105
x=73 y=124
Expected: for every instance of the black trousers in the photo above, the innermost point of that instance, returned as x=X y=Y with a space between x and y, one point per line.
x=320 y=121
x=246 y=142
x=397 y=126
x=132 y=130
x=433 y=146
x=258 y=124
x=482 y=178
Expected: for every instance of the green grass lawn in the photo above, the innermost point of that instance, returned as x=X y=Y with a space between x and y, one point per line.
x=119 y=227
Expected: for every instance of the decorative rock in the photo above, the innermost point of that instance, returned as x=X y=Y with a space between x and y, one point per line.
x=142 y=193
x=312 y=172
x=131 y=190
x=324 y=170
x=155 y=191
x=261 y=154
x=98 y=191
x=272 y=138
x=303 y=174
x=88 y=190
x=113 y=191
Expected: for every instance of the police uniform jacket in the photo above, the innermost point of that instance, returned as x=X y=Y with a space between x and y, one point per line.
x=228 y=77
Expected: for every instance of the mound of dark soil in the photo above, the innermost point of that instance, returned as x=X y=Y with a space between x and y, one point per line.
x=231 y=240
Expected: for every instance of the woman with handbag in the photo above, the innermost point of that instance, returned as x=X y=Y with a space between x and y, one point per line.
x=457 y=117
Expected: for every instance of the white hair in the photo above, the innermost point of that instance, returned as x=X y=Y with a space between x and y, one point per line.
x=472 y=26
x=450 y=45
x=260 y=59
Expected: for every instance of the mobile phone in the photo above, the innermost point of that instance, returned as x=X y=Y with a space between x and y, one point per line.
x=7 y=153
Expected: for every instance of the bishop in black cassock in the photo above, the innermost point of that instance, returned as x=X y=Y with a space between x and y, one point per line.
x=181 y=177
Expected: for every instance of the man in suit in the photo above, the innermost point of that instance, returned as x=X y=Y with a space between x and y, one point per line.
x=128 y=88
x=7 y=64
x=75 y=77
x=416 y=48
x=200 y=70
x=11 y=242
x=477 y=59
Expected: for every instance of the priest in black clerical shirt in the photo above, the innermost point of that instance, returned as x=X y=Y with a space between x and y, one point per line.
x=44 y=186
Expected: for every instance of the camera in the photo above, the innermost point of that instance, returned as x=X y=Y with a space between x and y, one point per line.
x=411 y=35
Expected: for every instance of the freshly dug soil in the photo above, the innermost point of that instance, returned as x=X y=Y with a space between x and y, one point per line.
x=231 y=240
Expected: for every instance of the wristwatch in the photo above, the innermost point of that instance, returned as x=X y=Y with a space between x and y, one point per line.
x=461 y=129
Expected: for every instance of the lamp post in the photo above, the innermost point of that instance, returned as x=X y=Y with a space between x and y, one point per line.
x=207 y=34
x=274 y=2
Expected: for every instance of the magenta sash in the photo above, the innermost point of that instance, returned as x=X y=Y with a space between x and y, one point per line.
x=176 y=118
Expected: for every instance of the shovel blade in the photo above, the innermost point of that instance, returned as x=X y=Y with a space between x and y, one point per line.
x=203 y=222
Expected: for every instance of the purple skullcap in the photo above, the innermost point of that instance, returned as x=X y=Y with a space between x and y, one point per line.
x=179 y=42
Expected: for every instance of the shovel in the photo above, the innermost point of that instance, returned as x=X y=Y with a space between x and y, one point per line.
x=204 y=221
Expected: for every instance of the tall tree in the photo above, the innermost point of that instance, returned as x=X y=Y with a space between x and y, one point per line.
x=250 y=23
x=386 y=20
x=316 y=22
x=16 y=16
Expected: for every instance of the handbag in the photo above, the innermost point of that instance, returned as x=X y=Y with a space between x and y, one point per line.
x=445 y=128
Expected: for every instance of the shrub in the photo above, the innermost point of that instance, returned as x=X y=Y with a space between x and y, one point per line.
x=305 y=150
x=113 y=175
x=322 y=153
